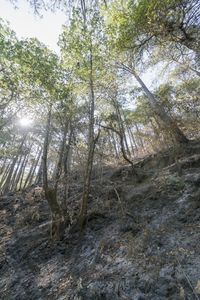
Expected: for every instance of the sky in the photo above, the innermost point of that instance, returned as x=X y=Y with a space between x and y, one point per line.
x=26 y=24
x=47 y=29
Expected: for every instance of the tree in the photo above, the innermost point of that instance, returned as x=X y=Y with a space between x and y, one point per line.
x=90 y=87
x=83 y=50
x=143 y=23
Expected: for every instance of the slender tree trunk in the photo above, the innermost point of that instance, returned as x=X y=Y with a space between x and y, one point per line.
x=122 y=146
x=3 y=165
x=158 y=109
x=157 y=135
x=115 y=144
x=38 y=179
x=67 y=165
x=19 y=175
x=57 y=218
x=91 y=148
x=4 y=175
x=13 y=179
x=35 y=167
x=139 y=137
x=23 y=170
x=130 y=139
x=61 y=154
x=133 y=139
x=59 y=167
x=125 y=129
x=28 y=175
x=7 y=182
x=121 y=126
x=32 y=169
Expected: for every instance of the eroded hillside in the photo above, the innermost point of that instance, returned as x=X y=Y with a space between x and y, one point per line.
x=141 y=240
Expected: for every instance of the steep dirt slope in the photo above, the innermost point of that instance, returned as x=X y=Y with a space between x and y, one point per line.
x=142 y=239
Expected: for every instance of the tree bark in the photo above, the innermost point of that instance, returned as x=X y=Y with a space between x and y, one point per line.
x=32 y=169
x=169 y=123
x=121 y=126
x=17 y=182
x=115 y=144
x=140 y=141
x=121 y=145
x=67 y=164
x=35 y=166
x=91 y=147
x=6 y=186
x=4 y=175
x=57 y=218
x=14 y=177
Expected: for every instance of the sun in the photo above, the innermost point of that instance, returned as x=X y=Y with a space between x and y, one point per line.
x=25 y=121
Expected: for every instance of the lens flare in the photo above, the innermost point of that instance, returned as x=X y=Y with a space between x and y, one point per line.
x=25 y=122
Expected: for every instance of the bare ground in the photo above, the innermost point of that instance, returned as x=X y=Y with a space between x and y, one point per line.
x=141 y=241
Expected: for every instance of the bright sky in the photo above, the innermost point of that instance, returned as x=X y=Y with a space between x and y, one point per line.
x=47 y=29
x=23 y=21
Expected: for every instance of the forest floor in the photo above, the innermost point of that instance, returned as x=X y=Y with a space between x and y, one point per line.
x=141 y=241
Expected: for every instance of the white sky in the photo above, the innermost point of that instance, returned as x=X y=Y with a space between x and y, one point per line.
x=26 y=24
x=47 y=29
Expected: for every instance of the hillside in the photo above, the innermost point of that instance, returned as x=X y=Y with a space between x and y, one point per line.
x=141 y=240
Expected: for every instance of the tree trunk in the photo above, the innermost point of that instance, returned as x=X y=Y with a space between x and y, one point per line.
x=57 y=218
x=23 y=171
x=61 y=153
x=3 y=167
x=4 y=175
x=14 y=177
x=168 y=122
x=133 y=138
x=17 y=181
x=67 y=165
x=7 y=182
x=91 y=148
x=130 y=138
x=140 y=141
x=121 y=126
x=38 y=179
x=32 y=169
x=59 y=168
x=123 y=150
x=115 y=144
x=35 y=166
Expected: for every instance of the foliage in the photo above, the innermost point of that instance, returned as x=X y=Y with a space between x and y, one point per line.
x=89 y=91
x=137 y=24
